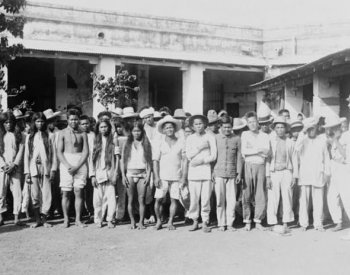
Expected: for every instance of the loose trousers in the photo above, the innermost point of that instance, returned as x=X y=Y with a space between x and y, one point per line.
x=225 y=190
x=344 y=188
x=333 y=195
x=200 y=190
x=306 y=192
x=104 y=194
x=254 y=192
x=40 y=191
x=14 y=182
x=281 y=187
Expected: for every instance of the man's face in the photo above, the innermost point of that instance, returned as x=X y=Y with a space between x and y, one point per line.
x=226 y=129
x=168 y=129
x=311 y=132
x=73 y=121
x=265 y=127
x=188 y=131
x=252 y=123
x=280 y=130
x=149 y=120
x=85 y=125
x=51 y=125
x=136 y=133
x=214 y=127
x=39 y=124
x=8 y=126
x=103 y=128
x=334 y=132
x=198 y=125
x=286 y=115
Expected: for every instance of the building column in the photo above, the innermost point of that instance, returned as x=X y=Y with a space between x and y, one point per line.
x=293 y=99
x=105 y=66
x=3 y=94
x=326 y=95
x=192 y=88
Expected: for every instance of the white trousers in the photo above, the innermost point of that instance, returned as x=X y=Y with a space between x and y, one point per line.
x=200 y=190
x=338 y=174
x=306 y=192
x=344 y=188
x=281 y=187
x=14 y=182
x=104 y=194
x=225 y=191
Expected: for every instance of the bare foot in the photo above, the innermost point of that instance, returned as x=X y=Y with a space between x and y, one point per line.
x=133 y=226
x=47 y=225
x=141 y=227
x=158 y=226
x=111 y=225
x=303 y=228
x=320 y=228
x=248 y=227
x=232 y=229
x=36 y=225
x=65 y=224
x=171 y=227
x=195 y=226
x=152 y=219
x=222 y=229
x=338 y=227
x=259 y=226
x=80 y=224
x=99 y=225
x=206 y=228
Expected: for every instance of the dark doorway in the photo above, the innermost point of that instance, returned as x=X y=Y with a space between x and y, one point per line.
x=38 y=77
x=232 y=109
x=308 y=97
x=343 y=95
x=165 y=87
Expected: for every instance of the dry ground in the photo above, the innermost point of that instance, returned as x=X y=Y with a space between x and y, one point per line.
x=123 y=251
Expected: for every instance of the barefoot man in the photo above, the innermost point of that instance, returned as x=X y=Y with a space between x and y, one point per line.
x=72 y=153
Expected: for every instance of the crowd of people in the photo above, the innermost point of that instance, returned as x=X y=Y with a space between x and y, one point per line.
x=157 y=165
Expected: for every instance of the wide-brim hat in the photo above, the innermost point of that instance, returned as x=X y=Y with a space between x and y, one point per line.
x=310 y=122
x=168 y=119
x=266 y=119
x=212 y=117
x=296 y=124
x=192 y=118
x=280 y=120
x=49 y=114
x=180 y=114
x=147 y=112
x=238 y=123
x=332 y=121
x=222 y=113
x=129 y=112
x=18 y=114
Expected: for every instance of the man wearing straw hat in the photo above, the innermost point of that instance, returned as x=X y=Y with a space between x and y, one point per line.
x=314 y=172
x=281 y=174
x=168 y=158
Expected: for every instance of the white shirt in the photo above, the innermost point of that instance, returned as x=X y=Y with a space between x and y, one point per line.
x=252 y=143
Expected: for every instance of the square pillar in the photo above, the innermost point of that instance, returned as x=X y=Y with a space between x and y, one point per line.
x=192 y=88
x=326 y=95
x=3 y=94
x=105 y=66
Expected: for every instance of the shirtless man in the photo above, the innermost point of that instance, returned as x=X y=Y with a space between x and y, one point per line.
x=72 y=153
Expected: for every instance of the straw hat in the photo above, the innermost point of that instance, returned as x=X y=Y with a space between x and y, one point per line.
x=310 y=122
x=180 y=114
x=222 y=113
x=147 y=112
x=168 y=119
x=49 y=114
x=238 y=123
x=212 y=116
x=157 y=115
x=264 y=113
x=129 y=112
x=280 y=120
x=18 y=114
x=192 y=118
x=118 y=111
x=332 y=121
x=296 y=123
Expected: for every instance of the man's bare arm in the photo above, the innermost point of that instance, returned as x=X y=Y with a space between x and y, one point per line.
x=60 y=150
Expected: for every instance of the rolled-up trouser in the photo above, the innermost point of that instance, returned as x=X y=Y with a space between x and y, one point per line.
x=281 y=185
x=254 y=191
x=104 y=193
x=200 y=190
x=225 y=191
x=307 y=191
x=14 y=182
x=121 y=197
x=333 y=194
x=41 y=193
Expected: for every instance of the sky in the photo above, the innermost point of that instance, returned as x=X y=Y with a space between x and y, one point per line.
x=257 y=13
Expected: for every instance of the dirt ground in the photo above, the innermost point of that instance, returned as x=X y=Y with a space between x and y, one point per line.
x=123 y=251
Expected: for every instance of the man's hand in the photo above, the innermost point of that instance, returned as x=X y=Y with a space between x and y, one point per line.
x=52 y=175
x=94 y=181
x=294 y=182
x=11 y=168
x=28 y=179
x=73 y=170
x=182 y=183
x=125 y=182
x=238 y=179
x=157 y=182
x=196 y=162
x=268 y=183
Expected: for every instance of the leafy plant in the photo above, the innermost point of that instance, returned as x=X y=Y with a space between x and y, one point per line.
x=120 y=91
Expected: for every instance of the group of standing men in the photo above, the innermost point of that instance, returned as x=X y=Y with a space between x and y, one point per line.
x=276 y=167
